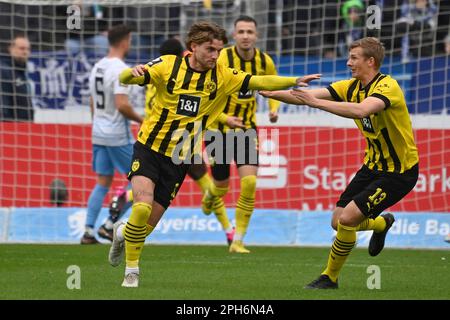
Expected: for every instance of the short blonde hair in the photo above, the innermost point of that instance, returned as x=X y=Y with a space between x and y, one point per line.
x=372 y=47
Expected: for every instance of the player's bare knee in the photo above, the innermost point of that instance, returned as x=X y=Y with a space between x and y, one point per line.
x=334 y=223
x=335 y=218
x=348 y=220
x=142 y=196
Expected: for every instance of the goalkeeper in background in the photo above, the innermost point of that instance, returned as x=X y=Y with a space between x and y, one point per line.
x=191 y=93
x=246 y=57
x=391 y=163
x=112 y=140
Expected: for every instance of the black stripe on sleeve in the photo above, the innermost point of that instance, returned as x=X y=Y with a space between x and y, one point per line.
x=334 y=94
x=146 y=78
x=244 y=87
x=173 y=76
x=387 y=102
x=397 y=164
x=166 y=140
x=157 y=127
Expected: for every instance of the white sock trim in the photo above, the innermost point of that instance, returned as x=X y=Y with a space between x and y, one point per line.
x=120 y=232
x=129 y=270
x=238 y=237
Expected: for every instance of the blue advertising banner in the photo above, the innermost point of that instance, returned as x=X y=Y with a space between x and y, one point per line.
x=410 y=230
x=60 y=80
x=4 y=214
x=191 y=226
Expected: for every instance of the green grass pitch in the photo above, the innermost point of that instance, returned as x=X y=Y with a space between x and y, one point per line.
x=210 y=272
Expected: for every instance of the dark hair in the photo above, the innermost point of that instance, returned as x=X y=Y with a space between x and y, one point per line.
x=171 y=46
x=204 y=31
x=246 y=19
x=117 y=33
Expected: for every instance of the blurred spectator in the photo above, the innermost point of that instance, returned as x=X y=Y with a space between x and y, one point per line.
x=418 y=24
x=447 y=44
x=92 y=38
x=151 y=24
x=338 y=34
x=352 y=27
x=15 y=99
x=301 y=29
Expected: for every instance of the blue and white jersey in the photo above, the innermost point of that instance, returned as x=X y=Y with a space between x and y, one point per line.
x=109 y=126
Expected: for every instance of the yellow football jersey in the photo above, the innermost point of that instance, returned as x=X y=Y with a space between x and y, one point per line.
x=186 y=101
x=390 y=140
x=243 y=104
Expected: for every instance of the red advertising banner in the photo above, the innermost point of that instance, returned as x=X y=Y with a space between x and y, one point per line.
x=300 y=167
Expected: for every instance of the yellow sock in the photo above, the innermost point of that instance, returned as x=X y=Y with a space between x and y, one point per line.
x=341 y=248
x=378 y=224
x=135 y=232
x=221 y=213
x=245 y=205
x=218 y=206
x=217 y=191
x=204 y=182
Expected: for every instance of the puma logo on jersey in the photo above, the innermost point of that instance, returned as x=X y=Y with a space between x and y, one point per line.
x=245 y=95
x=154 y=61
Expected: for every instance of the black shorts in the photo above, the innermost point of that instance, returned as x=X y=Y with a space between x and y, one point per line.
x=374 y=191
x=240 y=146
x=166 y=175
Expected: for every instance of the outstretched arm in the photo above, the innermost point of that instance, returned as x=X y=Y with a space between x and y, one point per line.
x=276 y=82
x=287 y=97
x=352 y=110
x=136 y=75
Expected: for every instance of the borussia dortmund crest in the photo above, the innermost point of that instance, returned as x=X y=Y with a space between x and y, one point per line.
x=135 y=165
x=210 y=86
